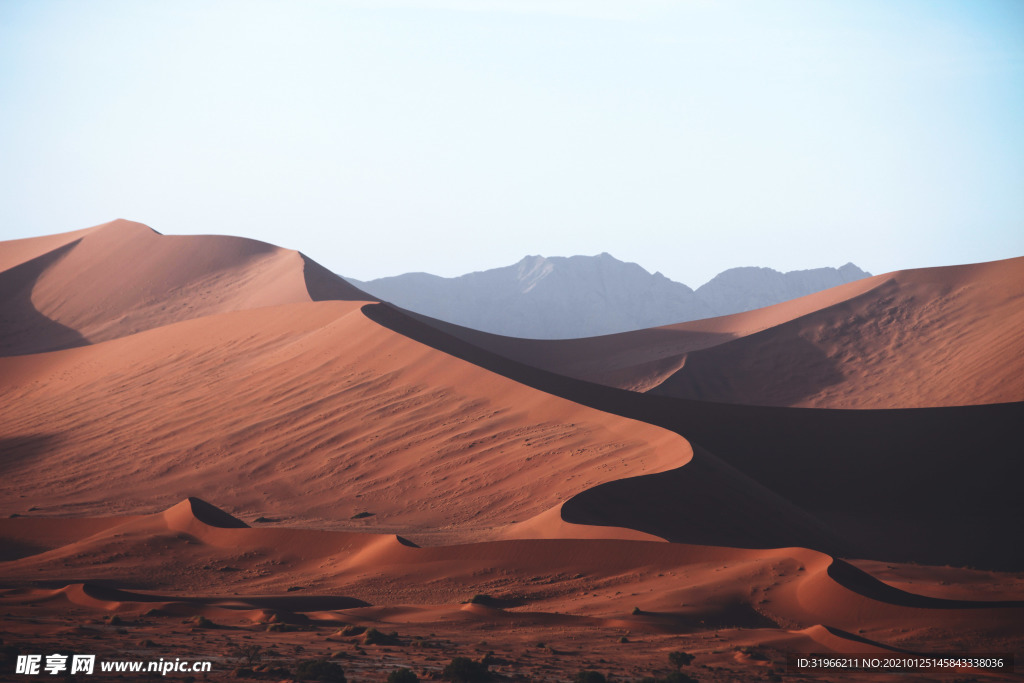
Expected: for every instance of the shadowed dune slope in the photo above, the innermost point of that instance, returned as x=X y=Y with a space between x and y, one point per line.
x=917 y=338
x=16 y=252
x=193 y=510
x=933 y=485
x=122 y=277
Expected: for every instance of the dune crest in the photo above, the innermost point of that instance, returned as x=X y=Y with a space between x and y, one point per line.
x=139 y=279
x=191 y=511
x=552 y=524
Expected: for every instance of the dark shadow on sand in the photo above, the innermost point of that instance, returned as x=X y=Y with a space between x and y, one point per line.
x=930 y=485
x=23 y=329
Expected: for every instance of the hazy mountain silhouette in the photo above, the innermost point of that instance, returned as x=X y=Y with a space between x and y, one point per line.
x=582 y=296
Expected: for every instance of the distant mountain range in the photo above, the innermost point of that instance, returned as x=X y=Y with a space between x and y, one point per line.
x=583 y=296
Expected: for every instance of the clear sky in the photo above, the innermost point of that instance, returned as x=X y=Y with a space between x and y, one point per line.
x=446 y=136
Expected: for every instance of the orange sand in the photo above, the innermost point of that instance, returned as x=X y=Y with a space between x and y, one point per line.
x=144 y=375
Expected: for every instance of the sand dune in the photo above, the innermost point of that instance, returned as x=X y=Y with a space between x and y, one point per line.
x=643 y=359
x=929 y=337
x=281 y=451
x=312 y=413
x=120 y=278
x=306 y=411
x=917 y=338
x=786 y=600
x=880 y=479
x=16 y=252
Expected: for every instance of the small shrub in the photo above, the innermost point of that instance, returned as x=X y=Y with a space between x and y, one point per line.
x=679 y=659
x=249 y=654
x=320 y=670
x=465 y=670
x=403 y=676
x=589 y=677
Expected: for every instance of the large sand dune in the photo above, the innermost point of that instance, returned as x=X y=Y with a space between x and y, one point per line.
x=885 y=480
x=367 y=466
x=122 y=277
x=315 y=412
x=305 y=411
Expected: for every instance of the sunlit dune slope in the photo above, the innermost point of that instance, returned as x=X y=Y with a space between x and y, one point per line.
x=307 y=411
x=122 y=277
x=930 y=337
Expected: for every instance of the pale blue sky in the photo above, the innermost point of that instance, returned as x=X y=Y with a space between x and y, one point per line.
x=450 y=136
